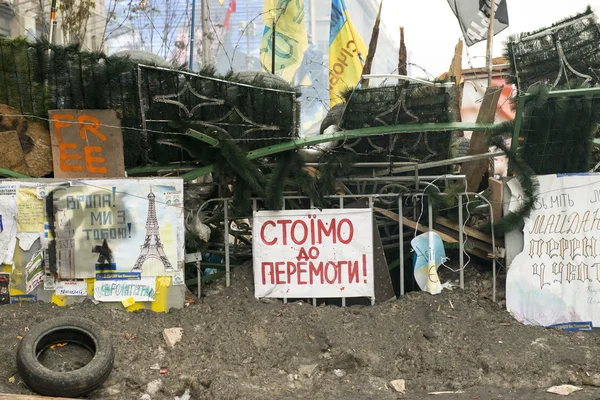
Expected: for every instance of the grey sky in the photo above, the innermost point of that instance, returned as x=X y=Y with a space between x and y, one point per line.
x=432 y=31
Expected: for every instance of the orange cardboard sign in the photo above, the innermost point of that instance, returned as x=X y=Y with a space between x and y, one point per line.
x=86 y=144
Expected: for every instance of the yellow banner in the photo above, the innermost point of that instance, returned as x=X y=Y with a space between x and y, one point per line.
x=291 y=40
x=347 y=53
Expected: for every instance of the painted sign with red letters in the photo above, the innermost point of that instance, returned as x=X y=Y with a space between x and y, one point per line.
x=313 y=254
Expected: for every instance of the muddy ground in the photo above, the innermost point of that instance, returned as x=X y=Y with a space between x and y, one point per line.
x=235 y=347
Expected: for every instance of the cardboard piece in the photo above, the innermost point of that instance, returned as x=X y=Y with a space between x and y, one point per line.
x=86 y=144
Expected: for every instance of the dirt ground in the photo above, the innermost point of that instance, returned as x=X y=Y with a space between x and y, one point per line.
x=236 y=347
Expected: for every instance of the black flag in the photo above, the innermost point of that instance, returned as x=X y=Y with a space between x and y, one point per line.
x=474 y=18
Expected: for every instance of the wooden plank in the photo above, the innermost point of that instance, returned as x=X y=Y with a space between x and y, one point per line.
x=478 y=249
x=474 y=170
x=411 y=224
x=469 y=231
x=472 y=246
x=455 y=70
x=496 y=197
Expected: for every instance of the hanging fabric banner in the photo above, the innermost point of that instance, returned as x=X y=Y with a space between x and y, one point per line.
x=291 y=40
x=474 y=18
x=556 y=279
x=347 y=53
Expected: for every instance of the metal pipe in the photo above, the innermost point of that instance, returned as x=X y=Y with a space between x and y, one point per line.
x=441 y=163
x=371 y=208
x=430 y=212
x=192 y=29
x=490 y=42
x=199 y=272
x=408 y=78
x=273 y=46
x=349 y=134
x=205 y=34
x=401 y=178
x=52 y=24
x=226 y=221
x=401 y=244
x=493 y=244
x=461 y=244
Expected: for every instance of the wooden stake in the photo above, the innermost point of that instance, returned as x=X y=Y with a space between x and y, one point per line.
x=372 y=48
x=490 y=41
x=273 y=47
x=402 y=56
x=474 y=170
x=455 y=73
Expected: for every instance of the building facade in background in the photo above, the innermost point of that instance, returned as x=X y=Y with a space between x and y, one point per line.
x=31 y=19
x=235 y=32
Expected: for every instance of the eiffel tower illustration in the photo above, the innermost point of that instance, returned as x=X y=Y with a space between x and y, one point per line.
x=152 y=247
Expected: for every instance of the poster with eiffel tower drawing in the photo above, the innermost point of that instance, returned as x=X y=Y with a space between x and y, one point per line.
x=119 y=229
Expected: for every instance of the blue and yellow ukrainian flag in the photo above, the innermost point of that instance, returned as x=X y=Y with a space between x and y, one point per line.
x=347 y=53
x=291 y=40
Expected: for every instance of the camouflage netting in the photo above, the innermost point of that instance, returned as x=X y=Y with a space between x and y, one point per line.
x=558 y=131
x=536 y=57
x=253 y=109
x=34 y=80
x=397 y=105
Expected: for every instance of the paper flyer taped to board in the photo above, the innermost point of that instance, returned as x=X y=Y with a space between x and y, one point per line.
x=71 y=288
x=143 y=289
x=8 y=225
x=30 y=211
x=34 y=272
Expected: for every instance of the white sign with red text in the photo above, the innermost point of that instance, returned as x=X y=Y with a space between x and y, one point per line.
x=312 y=253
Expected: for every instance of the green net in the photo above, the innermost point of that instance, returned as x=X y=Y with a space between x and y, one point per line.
x=557 y=54
x=399 y=105
x=558 y=132
x=34 y=80
x=253 y=109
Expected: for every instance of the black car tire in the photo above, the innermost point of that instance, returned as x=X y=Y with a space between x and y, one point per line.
x=71 y=383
